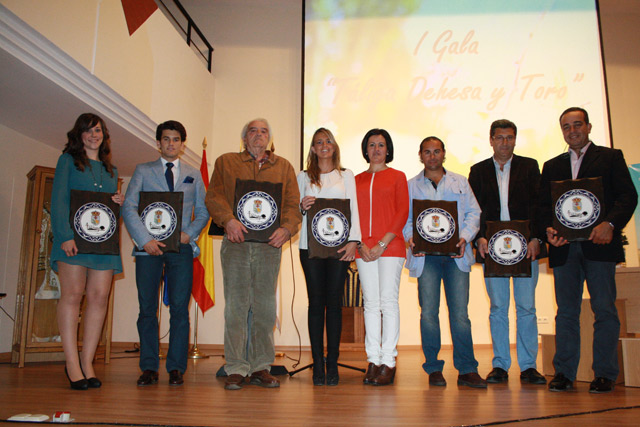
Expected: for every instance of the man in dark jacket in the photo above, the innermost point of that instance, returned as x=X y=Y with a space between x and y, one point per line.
x=594 y=259
x=506 y=187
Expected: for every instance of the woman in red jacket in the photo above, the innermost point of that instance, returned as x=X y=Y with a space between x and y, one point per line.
x=383 y=203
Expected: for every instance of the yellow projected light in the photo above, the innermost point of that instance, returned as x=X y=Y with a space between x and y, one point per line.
x=426 y=70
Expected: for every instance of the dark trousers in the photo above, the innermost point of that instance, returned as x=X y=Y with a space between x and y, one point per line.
x=179 y=270
x=325 y=287
x=569 y=282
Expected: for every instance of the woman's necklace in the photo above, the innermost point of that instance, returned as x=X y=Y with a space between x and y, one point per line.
x=95 y=181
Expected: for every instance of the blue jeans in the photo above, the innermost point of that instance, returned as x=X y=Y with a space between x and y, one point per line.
x=524 y=295
x=179 y=270
x=456 y=288
x=569 y=283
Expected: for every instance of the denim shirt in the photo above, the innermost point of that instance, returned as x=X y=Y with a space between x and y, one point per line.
x=453 y=188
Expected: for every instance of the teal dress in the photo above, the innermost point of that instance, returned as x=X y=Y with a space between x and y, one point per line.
x=69 y=178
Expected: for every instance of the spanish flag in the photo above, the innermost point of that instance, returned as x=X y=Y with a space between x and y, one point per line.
x=203 y=289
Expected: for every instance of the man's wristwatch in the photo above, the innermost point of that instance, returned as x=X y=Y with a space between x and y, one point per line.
x=382 y=244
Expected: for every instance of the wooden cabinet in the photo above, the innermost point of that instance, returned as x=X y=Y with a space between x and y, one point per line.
x=35 y=334
x=627 y=283
x=352 y=337
x=628 y=287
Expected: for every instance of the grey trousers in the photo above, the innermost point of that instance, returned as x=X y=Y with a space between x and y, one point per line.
x=250 y=271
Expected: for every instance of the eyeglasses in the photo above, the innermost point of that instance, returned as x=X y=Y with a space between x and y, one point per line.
x=502 y=138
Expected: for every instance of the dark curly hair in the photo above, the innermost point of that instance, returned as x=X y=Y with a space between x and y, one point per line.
x=75 y=146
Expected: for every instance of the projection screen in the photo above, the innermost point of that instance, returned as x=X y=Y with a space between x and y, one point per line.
x=449 y=68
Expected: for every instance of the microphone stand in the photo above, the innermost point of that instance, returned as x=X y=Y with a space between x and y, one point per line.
x=310 y=365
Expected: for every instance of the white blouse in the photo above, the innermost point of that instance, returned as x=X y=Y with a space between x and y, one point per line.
x=335 y=185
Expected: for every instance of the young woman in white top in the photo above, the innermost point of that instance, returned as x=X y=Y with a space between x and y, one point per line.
x=325 y=178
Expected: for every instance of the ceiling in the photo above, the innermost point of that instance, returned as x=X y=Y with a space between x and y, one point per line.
x=39 y=108
x=43 y=90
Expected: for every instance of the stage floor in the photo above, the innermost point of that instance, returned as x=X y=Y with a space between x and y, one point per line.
x=42 y=388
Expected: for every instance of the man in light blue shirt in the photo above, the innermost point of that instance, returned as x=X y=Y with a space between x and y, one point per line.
x=436 y=183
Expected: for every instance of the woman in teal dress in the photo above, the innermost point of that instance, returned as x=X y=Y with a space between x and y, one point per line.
x=85 y=164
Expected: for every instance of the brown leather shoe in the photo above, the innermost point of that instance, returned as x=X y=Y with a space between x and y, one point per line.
x=385 y=376
x=372 y=372
x=234 y=382
x=148 y=377
x=175 y=378
x=436 y=378
x=472 y=379
x=264 y=379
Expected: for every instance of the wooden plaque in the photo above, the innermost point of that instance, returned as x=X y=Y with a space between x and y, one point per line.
x=215 y=229
x=161 y=214
x=507 y=257
x=257 y=206
x=435 y=227
x=94 y=219
x=328 y=227
x=577 y=207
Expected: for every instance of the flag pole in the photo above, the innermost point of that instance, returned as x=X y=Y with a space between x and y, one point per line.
x=161 y=355
x=195 y=352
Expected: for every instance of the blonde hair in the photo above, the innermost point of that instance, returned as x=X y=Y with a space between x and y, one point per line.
x=313 y=168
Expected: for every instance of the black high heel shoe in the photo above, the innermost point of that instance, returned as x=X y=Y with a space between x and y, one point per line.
x=93 y=382
x=318 y=373
x=332 y=373
x=82 y=384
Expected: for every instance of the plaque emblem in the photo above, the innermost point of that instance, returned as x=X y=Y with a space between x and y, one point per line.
x=577 y=209
x=160 y=220
x=507 y=247
x=94 y=222
x=435 y=225
x=330 y=227
x=257 y=210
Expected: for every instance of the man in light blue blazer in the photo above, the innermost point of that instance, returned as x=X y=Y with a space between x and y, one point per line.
x=167 y=173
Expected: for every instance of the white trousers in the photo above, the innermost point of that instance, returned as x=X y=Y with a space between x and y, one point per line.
x=380 y=281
